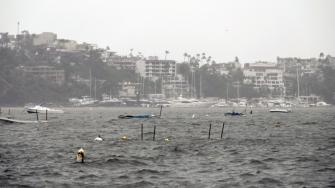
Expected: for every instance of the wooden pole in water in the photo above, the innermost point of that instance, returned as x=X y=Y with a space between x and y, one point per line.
x=160 y=112
x=46 y=114
x=153 y=138
x=36 y=114
x=209 y=131
x=222 y=130
x=142 y=131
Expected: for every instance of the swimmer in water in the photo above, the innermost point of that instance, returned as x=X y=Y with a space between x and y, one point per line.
x=81 y=155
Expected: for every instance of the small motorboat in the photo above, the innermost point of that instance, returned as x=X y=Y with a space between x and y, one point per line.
x=43 y=109
x=233 y=114
x=143 y=116
x=280 y=110
x=136 y=116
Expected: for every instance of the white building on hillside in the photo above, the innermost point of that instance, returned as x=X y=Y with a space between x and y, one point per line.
x=45 y=38
x=156 y=68
x=264 y=75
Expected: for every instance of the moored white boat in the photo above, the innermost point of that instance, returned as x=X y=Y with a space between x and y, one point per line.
x=322 y=103
x=84 y=101
x=280 y=110
x=43 y=109
x=189 y=103
x=220 y=104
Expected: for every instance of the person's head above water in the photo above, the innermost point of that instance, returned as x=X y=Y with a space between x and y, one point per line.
x=81 y=155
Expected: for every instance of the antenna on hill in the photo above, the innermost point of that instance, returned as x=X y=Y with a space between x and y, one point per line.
x=18 y=28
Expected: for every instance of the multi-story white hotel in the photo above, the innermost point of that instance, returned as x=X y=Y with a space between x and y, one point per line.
x=154 y=67
x=264 y=75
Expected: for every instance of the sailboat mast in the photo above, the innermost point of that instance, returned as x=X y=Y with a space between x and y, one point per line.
x=238 y=91
x=200 y=87
x=95 y=87
x=227 y=96
x=90 y=82
x=298 y=84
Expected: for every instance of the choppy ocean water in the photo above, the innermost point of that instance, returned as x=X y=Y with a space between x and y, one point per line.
x=263 y=150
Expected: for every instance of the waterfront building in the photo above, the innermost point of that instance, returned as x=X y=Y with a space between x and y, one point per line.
x=176 y=86
x=330 y=61
x=49 y=73
x=86 y=46
x=68 y=45
x=305 y=66
x=220 y=68
x=156 y=68
x=45 y=38
x=294 y=70
x=264 y=75
x=123 y=62
x=128 y=90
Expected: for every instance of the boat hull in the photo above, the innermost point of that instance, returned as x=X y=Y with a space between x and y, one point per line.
x=42 y=110
x=280 y=111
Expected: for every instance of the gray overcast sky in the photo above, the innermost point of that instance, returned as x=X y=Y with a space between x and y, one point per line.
x=252 y=30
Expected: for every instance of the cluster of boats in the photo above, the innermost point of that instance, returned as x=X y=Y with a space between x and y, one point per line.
x=179 y=102
x=274 y=104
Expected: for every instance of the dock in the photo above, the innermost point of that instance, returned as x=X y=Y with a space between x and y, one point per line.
x=11 y=120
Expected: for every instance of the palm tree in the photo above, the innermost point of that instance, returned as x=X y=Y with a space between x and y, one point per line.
x=131 y=52
x=209 y=59
x=198 y=56
x=236 y=59
x=139 y=54
x=166 y=53
x=189 y=58
x=185 y=55
x=4 y=40
x=203 y=58
x=321 y=56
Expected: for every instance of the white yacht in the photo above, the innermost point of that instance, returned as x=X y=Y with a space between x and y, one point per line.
x=43 y=109
x=189 y=103
x=108 y=100
x=220 y=104
x=321 y=104
x=280 y=110
x=84 y=101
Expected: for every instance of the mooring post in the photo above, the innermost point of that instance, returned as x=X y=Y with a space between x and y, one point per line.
x=141 y=131
x=209 y=131
x=222 y=130
x=8 y=111
x=160 y=112
x=46 y=115
x=153 y=138
x=36 y=114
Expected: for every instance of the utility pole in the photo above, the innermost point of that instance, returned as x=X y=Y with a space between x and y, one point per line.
x=90 y=82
